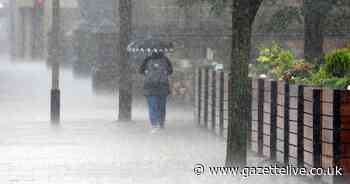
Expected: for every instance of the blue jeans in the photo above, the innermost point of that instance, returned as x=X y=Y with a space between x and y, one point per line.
x=157 y=109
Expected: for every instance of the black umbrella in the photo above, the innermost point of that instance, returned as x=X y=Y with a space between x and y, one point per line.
x=151 y=45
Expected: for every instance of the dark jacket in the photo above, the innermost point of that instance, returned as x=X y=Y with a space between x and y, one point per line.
x=161 y=89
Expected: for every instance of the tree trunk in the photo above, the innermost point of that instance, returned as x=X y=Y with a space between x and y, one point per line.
x=125 y=80
x=243 y=14
x=313 y=49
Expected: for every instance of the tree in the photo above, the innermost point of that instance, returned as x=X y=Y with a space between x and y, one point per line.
x=243 y=15
x=318 y=18
x=125 y=81
x=315 y=12
x=244 y=12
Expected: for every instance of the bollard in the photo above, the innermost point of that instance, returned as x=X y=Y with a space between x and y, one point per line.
x=55 y=105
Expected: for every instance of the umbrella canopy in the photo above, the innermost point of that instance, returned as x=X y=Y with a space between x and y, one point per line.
x=151 y=45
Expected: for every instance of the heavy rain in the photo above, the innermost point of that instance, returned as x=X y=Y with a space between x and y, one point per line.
x=174 y=91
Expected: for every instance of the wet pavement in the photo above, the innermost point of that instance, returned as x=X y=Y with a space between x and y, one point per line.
x=89 y=146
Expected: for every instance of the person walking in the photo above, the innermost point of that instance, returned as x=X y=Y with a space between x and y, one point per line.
x=156 y=68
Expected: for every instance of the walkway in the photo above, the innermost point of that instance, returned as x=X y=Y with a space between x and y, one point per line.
x=89 y=147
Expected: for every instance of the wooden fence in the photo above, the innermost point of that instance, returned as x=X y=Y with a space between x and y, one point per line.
x=211 y=100
x=291 y=124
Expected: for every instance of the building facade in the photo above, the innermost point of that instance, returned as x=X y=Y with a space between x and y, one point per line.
x=31 y=23
x=195 y=27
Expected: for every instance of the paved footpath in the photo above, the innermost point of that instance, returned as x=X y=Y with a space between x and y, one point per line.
x=89 y=147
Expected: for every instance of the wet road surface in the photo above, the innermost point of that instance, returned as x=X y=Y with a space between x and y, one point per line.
x=89 y=146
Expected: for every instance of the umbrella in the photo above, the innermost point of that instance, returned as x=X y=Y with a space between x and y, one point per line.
x=151 y=45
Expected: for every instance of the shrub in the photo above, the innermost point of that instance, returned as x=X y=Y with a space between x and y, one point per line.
x=281 y=64
x=335 y=73
x=275 y=60
x=338 y=63
x=347 y=45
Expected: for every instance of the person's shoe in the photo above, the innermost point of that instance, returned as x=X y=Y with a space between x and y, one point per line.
x=162 y=127
x=155 y=129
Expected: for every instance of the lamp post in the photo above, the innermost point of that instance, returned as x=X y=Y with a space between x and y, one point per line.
x=125 y=81
x=12 y=28
x=38 y=29
x=54 y=56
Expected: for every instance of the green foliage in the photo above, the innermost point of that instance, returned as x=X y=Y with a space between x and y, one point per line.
x=338 y=63
x=347 y=45
x=281 y=20
x=323 y=79
x=279 y=63
x=335 y=13
x=187 y=3
x=276 y=60
x=335 y=72
x=318 y=78
x=338 y=20
x=337 y=83
x=216 y=6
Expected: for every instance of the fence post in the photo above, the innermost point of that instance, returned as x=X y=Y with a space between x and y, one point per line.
x=221 y=101
x=194 y=91
x=286 y=122
x=316 y=121
x=249 y=129
x=273 y=119
x=300 y=122
x=213 y=101
x=337 y=133
x=206 y=95
x=260 y=116
x=199 y=95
